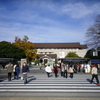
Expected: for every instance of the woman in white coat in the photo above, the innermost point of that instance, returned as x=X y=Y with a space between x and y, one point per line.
x=71 y=71
x=48 y=70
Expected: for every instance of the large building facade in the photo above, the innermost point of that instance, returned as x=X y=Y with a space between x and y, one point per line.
x=59 y=50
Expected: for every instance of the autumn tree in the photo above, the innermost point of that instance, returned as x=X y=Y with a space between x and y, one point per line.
x=72 y=54
x=27 y=46
x=93 y=34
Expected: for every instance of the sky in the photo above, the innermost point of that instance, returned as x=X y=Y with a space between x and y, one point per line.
x=47 y=21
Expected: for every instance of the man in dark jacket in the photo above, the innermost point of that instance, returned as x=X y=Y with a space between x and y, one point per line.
x=9 y=70
x=25 y=70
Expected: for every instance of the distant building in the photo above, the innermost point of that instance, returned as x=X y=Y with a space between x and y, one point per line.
x=59 y=50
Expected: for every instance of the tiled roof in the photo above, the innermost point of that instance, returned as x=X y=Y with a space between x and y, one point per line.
x=59 y=45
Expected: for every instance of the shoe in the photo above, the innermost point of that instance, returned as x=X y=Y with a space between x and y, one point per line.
x=98 y=84
x=91 y=83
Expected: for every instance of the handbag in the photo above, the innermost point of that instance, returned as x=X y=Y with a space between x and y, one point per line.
x=22 y=77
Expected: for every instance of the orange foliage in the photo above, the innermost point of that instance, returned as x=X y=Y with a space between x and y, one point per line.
x=27 y=46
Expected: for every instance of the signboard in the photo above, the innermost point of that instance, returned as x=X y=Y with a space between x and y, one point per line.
x=50 y=62
x=61 y=54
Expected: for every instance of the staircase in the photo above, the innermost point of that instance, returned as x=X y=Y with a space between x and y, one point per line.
x=42 y=84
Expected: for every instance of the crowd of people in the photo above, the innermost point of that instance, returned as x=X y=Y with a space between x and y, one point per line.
x=66 y=70
x=70 y=69
x=16 y=70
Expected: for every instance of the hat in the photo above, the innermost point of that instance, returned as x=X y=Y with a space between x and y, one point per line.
x=92 y=66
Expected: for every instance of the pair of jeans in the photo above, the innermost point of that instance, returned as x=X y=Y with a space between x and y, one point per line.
x=96 y=77
x=56 y=74
x=25 y=78
x=62 y=74
x=14 y=75
x=71 y=75
x=17 y=75
x=65 y=73
x=48 y=74
x=9 y=76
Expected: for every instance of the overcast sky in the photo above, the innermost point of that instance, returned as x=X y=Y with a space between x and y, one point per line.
x=47 y=21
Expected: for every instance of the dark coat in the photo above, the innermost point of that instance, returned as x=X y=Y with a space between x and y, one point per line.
x=55 y=69
x=17 y=69
x=25 y=69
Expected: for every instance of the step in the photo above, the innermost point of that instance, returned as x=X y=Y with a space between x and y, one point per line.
x=43 y=84
x=51 y=91
x=48 y=87
x=46 y=82
x=20 y=84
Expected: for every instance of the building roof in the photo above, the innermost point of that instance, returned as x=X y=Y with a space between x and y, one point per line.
x=59 y=45
x=74 y=59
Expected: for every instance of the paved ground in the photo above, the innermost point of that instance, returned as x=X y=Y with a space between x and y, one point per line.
x=47 y=96
x=22 y=98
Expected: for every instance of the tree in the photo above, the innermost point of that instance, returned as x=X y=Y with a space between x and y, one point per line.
x=72 y=54
x=8 y=50
x=89 y=54
x=93 y=34
x=27 y=46
x=31 y=54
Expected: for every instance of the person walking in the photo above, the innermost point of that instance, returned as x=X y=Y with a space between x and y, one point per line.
x=61 y=69
x=75 y=67
x=79 y=67
x=65 y=70
x=25 y=70
x=55 y=70
x=14 y=71
x=71 y=71
x=48 y=70
x=94 y=73
x=17 y=70
x=9 y=71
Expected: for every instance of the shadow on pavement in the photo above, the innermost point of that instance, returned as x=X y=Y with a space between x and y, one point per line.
x=32 y=79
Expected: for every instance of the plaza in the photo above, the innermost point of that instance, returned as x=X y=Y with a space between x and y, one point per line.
x=40 y=87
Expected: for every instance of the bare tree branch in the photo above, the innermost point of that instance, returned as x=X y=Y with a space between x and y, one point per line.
x=93 y=34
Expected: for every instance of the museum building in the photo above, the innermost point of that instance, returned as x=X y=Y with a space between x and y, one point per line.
x=59 y=50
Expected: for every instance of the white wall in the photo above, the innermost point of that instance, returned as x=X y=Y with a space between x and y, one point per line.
x=80 y=52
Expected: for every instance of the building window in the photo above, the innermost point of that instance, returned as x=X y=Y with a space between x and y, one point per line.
x=40 y=52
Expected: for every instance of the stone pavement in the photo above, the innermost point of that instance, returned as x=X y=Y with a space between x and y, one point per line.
x=40 y=87
x=40 y=82
x=22 y=98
